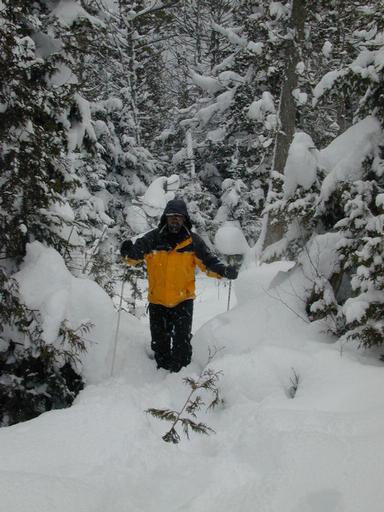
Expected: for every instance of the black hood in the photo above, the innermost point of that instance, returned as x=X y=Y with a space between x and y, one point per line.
x=179 y=207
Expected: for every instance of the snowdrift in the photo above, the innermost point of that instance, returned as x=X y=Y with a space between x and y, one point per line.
x=47 y=285
x=300 y=429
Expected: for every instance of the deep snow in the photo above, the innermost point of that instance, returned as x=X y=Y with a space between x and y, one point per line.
x=321 y=451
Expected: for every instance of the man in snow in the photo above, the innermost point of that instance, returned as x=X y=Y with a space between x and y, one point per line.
x=171 y=253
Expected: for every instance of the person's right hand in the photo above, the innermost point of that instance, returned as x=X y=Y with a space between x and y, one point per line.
x=126 y=247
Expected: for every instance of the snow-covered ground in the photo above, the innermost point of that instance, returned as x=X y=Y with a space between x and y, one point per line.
x=321 y=451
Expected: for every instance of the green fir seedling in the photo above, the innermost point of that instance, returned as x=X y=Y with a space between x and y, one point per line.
x=186 y=418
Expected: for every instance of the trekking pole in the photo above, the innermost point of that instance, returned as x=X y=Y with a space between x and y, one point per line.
x=117 y=327
x=229 y=295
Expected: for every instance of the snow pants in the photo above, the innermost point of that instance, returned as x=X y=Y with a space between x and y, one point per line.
x=171 y=334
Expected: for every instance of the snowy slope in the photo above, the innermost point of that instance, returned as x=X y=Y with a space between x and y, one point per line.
x=321 y=451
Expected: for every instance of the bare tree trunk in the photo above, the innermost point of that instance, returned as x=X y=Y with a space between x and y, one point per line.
x=287 y=107
x=198 y=47
x=132 y=81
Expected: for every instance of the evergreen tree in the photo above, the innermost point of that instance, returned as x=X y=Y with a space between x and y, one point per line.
x=35 y=376
x=351 y=204
x=37 y=178
x=357 y=204
x=236 y=121
x=36 y=172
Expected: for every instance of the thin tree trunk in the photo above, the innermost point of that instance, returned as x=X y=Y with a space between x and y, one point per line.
x=287 y=108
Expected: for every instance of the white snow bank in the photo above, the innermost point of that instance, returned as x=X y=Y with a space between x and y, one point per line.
x=46 y=284
x=21 y=491
x=267 y=335
x=271 y=452
x=307 y=449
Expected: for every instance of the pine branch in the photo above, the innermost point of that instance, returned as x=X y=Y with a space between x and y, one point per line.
x=162 y=414
x=207 y=381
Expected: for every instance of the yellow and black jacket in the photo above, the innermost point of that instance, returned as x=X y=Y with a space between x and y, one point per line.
x=171 y=262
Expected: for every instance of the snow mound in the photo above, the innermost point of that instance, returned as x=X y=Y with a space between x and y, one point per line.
x=299 y=420
x=65 y=494
x=46 y=284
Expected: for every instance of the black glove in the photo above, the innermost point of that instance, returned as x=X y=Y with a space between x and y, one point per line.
x=231 y=272
x=126 y=247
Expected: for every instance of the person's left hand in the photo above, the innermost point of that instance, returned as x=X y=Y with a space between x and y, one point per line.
x=231 y=272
